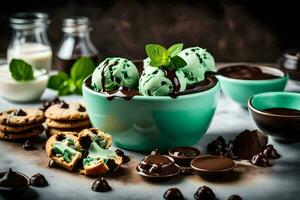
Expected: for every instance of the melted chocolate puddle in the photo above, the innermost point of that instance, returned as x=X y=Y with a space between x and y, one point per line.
x=283 y=111
x=246 y=72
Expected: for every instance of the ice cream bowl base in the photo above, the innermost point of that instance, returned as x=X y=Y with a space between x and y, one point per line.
x=283 y=128
x=146 y=123
x=240 y=91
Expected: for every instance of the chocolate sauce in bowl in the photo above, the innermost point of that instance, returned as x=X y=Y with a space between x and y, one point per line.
x=283 y=111
x=171 y=75
x=246 y=72
x=123 y=92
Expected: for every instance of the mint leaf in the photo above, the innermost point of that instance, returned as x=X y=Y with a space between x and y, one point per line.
x=57 y=80
x=157 y=54
x=175 y=49
x=20 y=70
x=177 y=62
x=83 y=67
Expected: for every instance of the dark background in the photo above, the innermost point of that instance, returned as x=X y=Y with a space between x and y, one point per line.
x=233 y=30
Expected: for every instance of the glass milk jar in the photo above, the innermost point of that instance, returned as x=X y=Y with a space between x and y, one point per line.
x=29 y=40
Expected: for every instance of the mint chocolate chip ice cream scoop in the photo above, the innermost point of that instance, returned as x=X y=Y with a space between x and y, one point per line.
x=198 y=62
x=161 y=82
x=113 y=73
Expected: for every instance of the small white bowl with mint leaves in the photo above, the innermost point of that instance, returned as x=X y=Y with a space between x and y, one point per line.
x=20 y=82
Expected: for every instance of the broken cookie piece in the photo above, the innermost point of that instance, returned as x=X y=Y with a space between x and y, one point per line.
x=65 y=150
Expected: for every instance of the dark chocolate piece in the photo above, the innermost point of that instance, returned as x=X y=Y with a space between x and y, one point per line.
x=64 y=105
x=52 y=164
x=38 y=180
x=20 y=112
x=14 y=181
x=186 y=171
x=101 y=185
x=47 y=104
x=235 y=197
x=28 y=145
x=60 y=137
x=271 y=152
x=111 y=164
x=204 y=193
x=248 y=143
x=260 y=160
x=217 y=146
x=125 y=158
x=173 y=194
x=81 y=108
x=85 y=141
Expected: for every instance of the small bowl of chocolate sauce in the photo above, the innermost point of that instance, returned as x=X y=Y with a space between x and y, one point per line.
x=184 y=155
x=212 y=167
x=13 y=183
x=277 y=114
x=241 y=81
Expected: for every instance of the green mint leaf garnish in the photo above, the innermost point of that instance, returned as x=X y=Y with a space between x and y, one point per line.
x=157 y=54
x=165 y=58
x=175 y=49
x=20 y=70
x=66 y=85
x=178 y=62
x=83 y=67
x=56 y=81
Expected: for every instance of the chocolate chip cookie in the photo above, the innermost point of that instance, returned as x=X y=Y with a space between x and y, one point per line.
x=20 y=117
x=65 y=111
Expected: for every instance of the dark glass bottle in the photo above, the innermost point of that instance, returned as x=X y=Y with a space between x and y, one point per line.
x=75 y=44
x=290 y=63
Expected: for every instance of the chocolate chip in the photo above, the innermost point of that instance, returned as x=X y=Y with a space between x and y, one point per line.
x=28 y=145
x=64 y=105
x=235 y=197
x=60 y=137
x=101 y=185
x=81 y=108
x=119 y=152
x=217 y=146
x=125 y=159
x=47 y=104
x=52 y=164
x=111 y=164
x=173 y=194
x=271 y=152
x=20 y=112
x=85 y=142
x=38 y=180
x=204 y=193
x=260 y=160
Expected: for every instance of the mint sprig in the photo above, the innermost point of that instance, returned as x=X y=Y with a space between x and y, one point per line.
x=165 y=58
x=72 y=84
x=21 y=70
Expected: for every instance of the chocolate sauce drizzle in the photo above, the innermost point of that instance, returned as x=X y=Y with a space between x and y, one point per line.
x=171 y=75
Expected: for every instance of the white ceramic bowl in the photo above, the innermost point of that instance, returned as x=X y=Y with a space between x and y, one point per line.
x=22 y=91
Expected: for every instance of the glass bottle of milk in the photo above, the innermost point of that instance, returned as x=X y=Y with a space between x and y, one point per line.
x=29 y=40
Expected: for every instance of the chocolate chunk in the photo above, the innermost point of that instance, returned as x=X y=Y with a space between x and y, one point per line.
x=271 y=152
x=119 y=152
x=81 y=108
x=13 y=181
x=101 y=185
x=38 y=180
x=235 y=197
x=154 y=152
x=52 y=164
x=260 y=160
x=173 y=194
x=204 y=193
x=111 y=164
x=248 y=143
x=28 y=145
x=60 y=137
x=20 y=112
x=64 y=105
x=85 y=142
x=47 y=104
x=217 y=146
x=125 y=159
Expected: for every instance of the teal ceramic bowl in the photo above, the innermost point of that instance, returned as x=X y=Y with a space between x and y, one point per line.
x=145 y=123
x=240 y=90
x=280 y=126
